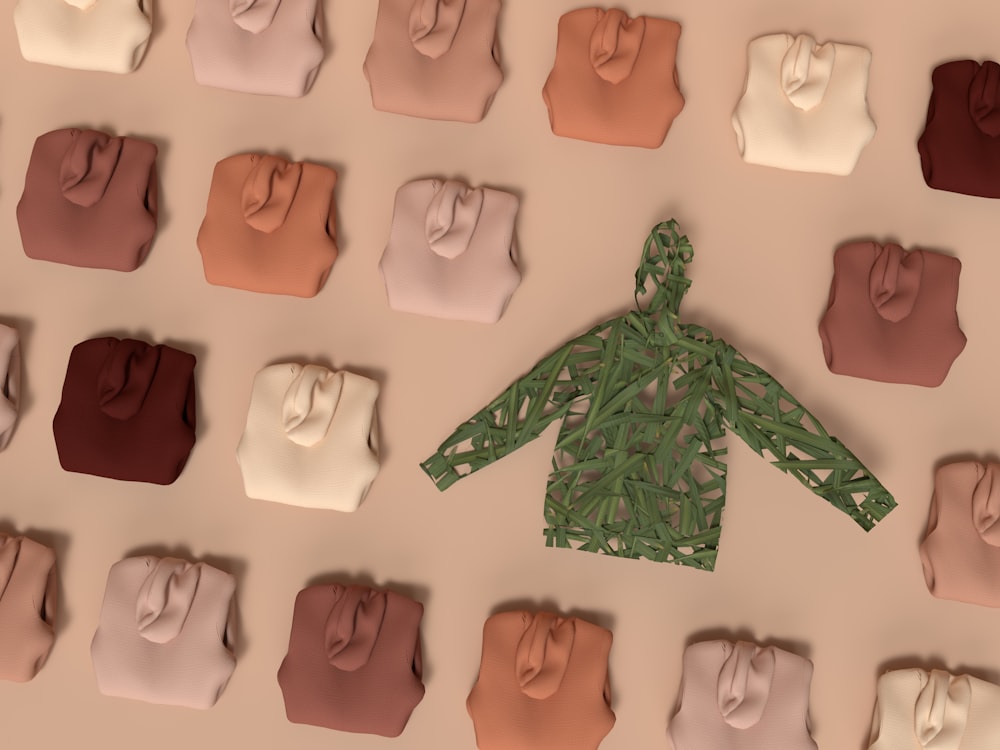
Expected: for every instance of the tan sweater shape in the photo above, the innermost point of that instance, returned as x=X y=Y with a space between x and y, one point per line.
x=28 y=588
x=543 y=684
x=614 y=79
x=437 y=59
x=961 y=549
x=269 y=225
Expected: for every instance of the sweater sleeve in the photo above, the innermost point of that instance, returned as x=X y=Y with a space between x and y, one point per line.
x=520 y=414
x=775 y=425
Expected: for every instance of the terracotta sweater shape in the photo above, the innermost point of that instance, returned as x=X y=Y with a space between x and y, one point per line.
x=10 y=382
x=310 y=437
x=920 y=710
x=960 y=145
x=127 y=410
x=164 y=632
x=437 y=59
x=543 y=684
x=102 y=35
x=960 y=551
x=257 y=46
x=269 y=225
x=614 y=79
x=28 y=588
x=90 y=199
x=649 y=399
x=353 y=661
x=804 y=105
x=741 y=696
x=451 y=251
x=892 y=314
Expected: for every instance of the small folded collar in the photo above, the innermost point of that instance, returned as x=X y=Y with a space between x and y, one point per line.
x=268 y=191
x=126 y=377
x=615 y=44
x=253 y=16
x=10 y=381
x=452 y=217
x=543 y=653
x=353 y=626
x=894 y=281
x=941 y=710
x=10 y=547
x=984 y=98
x=309 y=404
x=744 y=683
x=88 y=166
x=165 y=598
x=805 y=71
x=433 y=25
x=986 y=502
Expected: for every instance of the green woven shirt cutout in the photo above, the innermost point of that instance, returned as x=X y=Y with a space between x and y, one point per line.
x=644 y=402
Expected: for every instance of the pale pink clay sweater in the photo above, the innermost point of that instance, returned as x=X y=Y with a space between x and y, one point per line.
x=270 y=47
x=741 y=696
x=164 y=633
x=451 y=251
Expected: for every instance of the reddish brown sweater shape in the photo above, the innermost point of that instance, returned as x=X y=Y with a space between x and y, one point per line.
x=89 y=200
x=960 y=146
x=353 y=661
x=127 y=411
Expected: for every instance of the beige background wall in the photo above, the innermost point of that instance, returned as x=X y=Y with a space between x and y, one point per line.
x=791 y=570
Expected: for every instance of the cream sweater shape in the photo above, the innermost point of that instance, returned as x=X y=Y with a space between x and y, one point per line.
x=103 y=35
x=920 y=710
x=804 y=105
x=311 y=438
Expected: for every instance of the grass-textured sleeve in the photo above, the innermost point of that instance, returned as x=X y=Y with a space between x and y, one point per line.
x=776 y=426
x=515 y=417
